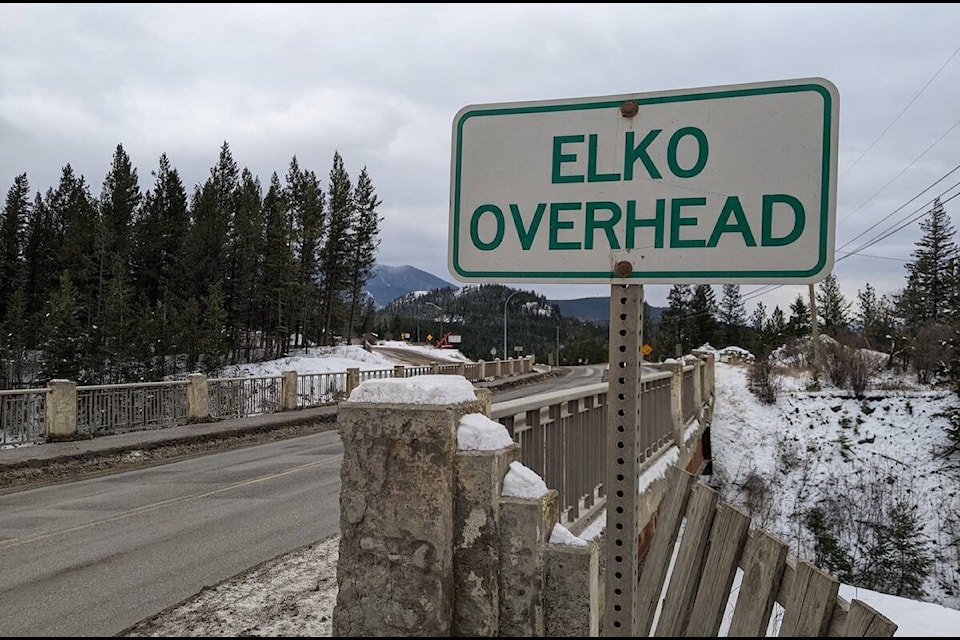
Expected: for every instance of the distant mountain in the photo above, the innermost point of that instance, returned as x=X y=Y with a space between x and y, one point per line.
x=593 y=309
x=389 y=283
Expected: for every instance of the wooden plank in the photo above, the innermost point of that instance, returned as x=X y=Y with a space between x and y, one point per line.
x=690 y=556
x=727 y=537
x=810 y=604
x=764 y=560
x=863 y=621
x=838 y=621
x=661 y=549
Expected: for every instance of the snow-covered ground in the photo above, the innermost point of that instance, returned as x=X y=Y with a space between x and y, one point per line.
x=778 y=459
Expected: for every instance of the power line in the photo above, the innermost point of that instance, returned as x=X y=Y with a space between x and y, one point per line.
x=899 y=115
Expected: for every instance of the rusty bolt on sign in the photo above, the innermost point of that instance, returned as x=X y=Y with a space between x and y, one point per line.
x=623 y=268
x=629 y=108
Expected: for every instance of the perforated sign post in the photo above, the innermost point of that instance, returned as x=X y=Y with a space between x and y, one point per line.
x=730 y=184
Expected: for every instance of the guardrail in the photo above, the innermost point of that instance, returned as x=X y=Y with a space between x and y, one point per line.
x=63 y=410
x=562 y=434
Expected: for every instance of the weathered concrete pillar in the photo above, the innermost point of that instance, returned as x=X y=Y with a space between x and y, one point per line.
x=476 y=555
x=60 y=417
x=198 y=398
x=288 y=390
x=525 y=525
x=434 y=368
x=571 y=590
x=399 y=371
x=697 y=386
x=353 y=379
x=676 y=399
x=395 y=568
x=481 y=370
x=485 y=399
x=461 y=369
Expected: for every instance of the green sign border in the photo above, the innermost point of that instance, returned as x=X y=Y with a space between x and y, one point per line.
x=653 y=275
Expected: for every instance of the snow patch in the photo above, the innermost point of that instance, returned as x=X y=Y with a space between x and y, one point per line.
x=435 y=390
x=477 y=432
x=523 y=482
x=562 y=535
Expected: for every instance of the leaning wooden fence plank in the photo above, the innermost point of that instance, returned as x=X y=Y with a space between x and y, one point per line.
x=863 y=621
x=727 y=537
x=689 y=564
x=657 y=562
x=810 y=602
x=838 y=621
x=763 y=562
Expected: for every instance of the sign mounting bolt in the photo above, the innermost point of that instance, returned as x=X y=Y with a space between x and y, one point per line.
x=624 y=268
x=629 y=108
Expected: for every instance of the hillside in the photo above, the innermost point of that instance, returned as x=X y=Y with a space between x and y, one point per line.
x=596 y=309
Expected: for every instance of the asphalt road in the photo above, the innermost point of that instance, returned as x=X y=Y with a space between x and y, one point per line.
x=93 y=557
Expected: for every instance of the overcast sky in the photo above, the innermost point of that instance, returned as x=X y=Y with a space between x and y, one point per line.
x=381 y=85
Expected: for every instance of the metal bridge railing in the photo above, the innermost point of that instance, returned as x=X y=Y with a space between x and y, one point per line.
x=130 y=407
x=22 y=414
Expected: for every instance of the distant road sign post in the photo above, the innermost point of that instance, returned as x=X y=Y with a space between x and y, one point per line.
x=733 y=184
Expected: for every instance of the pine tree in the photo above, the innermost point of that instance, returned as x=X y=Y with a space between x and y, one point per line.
x=306 y=206
x=799 y=324
x=775 y=328
x=41 y=260
x=77 y=223
x=278 y=280
x=832 y=307
x=245 y=258
x=13 y=220
x=63 y=337
x=674 y=331
x=213 y=330
x=159 y=236
x=336 y=248
x=703 y=316
x=876 y=318
x=119 y=200
x=759 y=344
x=13 y=340
x=928 y=272
x=732 y=315
x=898 y=560
x=119 y=329
x=364 y=241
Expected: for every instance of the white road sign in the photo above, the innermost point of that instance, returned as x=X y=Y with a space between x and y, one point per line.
x=728 y=184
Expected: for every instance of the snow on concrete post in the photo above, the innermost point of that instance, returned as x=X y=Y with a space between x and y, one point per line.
x=528 y=511
x=60 y=417
x=288 y=390
x=485 y=451
x=399 y=371
x=571 y=586
x=198 y=398
x=676 y=398
x=395 y=567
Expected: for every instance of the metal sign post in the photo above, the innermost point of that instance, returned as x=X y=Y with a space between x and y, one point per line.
x=623 y=460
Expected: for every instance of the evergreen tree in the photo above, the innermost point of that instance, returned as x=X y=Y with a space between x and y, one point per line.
x=13 y=220
x=732 y=315
x=703 y=316
x=63 y=337
x=159 y=236
x=775 y=329
x=213 y=330
x=876 y=318
x=120 y=337
x=306 y=205
x=832 y=307
x=40 y=263
x=245 y=258
x=829 y=553
x=799 y=324
x=899 y=559
x=928 y=272
x=279 y=285
x=364 y=241
x=759 y=344
x=674 y=331
x=77 y=224
x=336 y=248
x=13 y=341
x=119 y=200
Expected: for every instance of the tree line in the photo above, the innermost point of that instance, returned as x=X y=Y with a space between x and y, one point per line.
x=132 y=285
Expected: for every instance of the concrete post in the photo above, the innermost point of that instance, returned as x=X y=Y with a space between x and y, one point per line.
x=476 y=551
x=353 y=379
x=485 y=398
x=60 y=418
x=676 y=400
x=697 y=387
x=571 y=590
x=399 y=371
x=525 y=526
x=395 y=566
x=288 y=390
x=198 y=398
x=497 y=366
x=481 y=370
x=461 y=369
x=434 y=368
